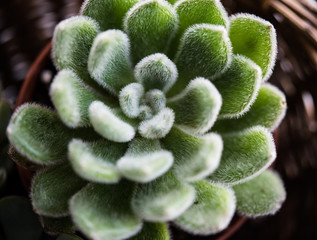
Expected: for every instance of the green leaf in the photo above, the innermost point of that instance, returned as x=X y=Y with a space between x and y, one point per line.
x=5 y=114
x=156 y=100
x=144 y=161
x=192 y=12
x=54 y=226
x=109 y=123
x=109 y=60
x=96 y=161
x=153 y=231
x=238 y=86
x=205 y=51
x=211 y=212
x=254 y=38
x=197 y=107
x=156 y=71
x=261 y=195
x=72 y=41
x=245 y=155
x=52 y=188
x=162 y=199
x=22 y=161
x=104 y=211
x=38 y=134
x=108 y=13
x=150 y=25
x=268 y=110
x=130 y=98
x=17 y=220
x=71 y=98
x=194 y=157
x=158 y=126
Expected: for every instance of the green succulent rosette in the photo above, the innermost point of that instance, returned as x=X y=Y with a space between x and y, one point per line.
x=162 y=114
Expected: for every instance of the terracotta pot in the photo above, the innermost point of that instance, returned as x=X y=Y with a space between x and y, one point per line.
x=27 y=94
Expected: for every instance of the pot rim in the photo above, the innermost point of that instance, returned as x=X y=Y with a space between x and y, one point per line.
x=26 y=95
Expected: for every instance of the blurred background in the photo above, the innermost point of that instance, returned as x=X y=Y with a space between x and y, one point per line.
x=27 y=26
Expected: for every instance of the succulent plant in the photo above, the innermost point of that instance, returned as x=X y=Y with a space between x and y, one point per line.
x=162 y=114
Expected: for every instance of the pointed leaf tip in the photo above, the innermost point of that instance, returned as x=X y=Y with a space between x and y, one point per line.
x=261 y=195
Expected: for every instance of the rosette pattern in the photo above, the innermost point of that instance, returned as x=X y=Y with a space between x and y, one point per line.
x=162 y=114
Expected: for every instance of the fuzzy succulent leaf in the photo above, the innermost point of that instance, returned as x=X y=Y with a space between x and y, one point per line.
x=150 y=25
x=205 y=51
x=71 y=98
x=104 y=211
x=144 y=161
x=163 y=199
x=5 y=113
x=197 y=107
x=156 y=100
x=156 y=71
x=191 y=12
x=157 y=231
x=96 y=161
x=238 y=86
x=211 y=212
x=52 y=188
x=17 y=219
x=268 y=110
x=108 y=13
x=254 y=38
x=158 y=126
x=261 y=195
x=39 y=134
x=130 y=99
x=53 y=225
x=109 y=60
x=72 y=41
x=110 y=123
x=245 y=155
x=22 y=160
x=194 y=157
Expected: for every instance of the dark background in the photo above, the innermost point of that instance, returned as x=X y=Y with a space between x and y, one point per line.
x=26 y=26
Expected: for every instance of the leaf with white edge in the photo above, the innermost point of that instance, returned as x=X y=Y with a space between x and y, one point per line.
x=254 y=38
x=163 y=199
x=52 y=188
x=53 y=225
x=5 y=113
x=38 y=134
x=238 y=86
x=211 y=212
x=130 y=98
x=194 y=157
x=193 y=12
x=108 y=13
x=72 y=41
x=22 y=160
x=153 y=231
x=158 y=126
x=268 y=110
x=261 y=195
x=245 y=155
x=156 y=71
x=150 y=25
x=72 y=98
x=145 y=112
x=156 y=100
x=144 y=161
x=197 y=107
x=96 y=161
x=205 y=51
x=109 y=60
x=109 y=123
x=104 y=211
